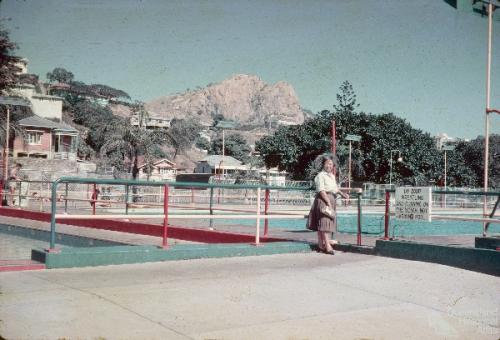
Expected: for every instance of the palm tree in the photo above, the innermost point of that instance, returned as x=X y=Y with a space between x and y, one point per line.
x=125 y=142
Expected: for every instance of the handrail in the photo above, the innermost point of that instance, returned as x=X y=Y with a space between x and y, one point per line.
x=183 y=184
x=167 y=184
x=173 y=184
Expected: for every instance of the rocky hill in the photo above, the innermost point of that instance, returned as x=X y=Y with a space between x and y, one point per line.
x=245 y=99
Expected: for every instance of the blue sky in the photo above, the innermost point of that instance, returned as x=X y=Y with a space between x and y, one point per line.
x=422 y=60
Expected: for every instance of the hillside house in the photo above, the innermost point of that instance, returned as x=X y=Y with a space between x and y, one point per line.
x=44 y=106
x=162 y=170
x=215 y=164
x=151 y=122
x=45 y=139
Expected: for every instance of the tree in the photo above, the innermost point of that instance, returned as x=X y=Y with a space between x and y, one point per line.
x=182 y=133
x=125 y=143
x=108 y=91
x=294 y=148
x=16 y=113
x=217 y=117
x=346 y=98
x=234 y=145
x=466 y=163
x=8 y=69
x=202 y=143
x=60 y=75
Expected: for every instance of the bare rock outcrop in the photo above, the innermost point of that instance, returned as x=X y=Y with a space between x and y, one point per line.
x=245 y=99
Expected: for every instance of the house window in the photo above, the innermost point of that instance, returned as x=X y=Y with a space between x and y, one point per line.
x=34 y=138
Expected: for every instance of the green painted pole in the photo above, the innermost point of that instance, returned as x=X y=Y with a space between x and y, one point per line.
x=53 y=209
x=211 y=201
x=66 y=199
x=211 y=205
x=359 y=220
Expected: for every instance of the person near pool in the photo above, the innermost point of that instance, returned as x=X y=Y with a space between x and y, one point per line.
x=13 y=179
x=323 y=216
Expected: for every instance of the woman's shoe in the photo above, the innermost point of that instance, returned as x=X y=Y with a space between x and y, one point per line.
x=329 y=252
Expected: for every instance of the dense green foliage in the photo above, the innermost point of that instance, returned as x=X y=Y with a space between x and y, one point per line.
x=78 y=90
x=60 y=75
x=182 y=134
x=9 y=76
x=234 y=145
x=293 y=148
x=202 y=143
x=119 y=143
x=8 y=68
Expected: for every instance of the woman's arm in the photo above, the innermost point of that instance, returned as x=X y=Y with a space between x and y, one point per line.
x=325 y=198
x=343 y=194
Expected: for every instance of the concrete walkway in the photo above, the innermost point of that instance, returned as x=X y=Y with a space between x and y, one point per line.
x=296 y=296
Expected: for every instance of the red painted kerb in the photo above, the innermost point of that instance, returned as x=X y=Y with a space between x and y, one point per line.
x=175 y=232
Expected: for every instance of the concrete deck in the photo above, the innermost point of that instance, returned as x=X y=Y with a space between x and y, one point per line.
x=295 y=296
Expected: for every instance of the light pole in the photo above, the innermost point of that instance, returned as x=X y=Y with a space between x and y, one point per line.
x=6 y=146
x=223 y=153
x=400 y=159
x=9 y=101
x=351 y=138
x=445 y=149
x=484 y=7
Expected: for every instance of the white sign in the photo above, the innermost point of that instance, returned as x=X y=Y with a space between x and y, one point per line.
x=414 y=203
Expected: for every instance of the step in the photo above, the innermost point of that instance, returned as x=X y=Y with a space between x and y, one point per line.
x=19 y=265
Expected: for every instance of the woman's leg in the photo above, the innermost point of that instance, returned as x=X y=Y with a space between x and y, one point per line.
x=326 y=238
x=321 y=241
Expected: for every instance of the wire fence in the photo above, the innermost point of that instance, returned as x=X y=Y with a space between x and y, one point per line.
x=37 y=193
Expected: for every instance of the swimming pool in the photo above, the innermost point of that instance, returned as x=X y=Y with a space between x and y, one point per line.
x=17 y=242
x=374 y=224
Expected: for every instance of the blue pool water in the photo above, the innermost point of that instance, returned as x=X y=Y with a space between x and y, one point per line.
x=374 y=224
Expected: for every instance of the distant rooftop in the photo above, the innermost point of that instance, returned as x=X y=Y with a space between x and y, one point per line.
x=225 y=124
x=214 y=160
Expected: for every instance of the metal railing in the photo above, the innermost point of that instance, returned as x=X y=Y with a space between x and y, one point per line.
x=132 y=185
x=485 y=219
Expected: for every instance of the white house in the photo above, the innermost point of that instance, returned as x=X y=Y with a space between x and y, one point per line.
x=44 y=106
x=151 y=122
x=443 y=139
x=162 y=170
x=215 y=164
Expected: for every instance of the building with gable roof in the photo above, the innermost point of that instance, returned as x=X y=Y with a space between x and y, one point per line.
x=45 y=139
x=214 y=164
x=161 y=170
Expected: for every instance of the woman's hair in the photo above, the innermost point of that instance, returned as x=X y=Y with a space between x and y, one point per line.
x=317 y=165
x=324 y=158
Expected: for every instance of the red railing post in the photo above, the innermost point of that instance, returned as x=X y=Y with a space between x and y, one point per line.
x=94 y=198
x=386 y=224
x=164 y=244
x=1 y=192
x=266 y=211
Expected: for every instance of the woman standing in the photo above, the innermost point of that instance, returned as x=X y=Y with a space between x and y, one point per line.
x=323 y=216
